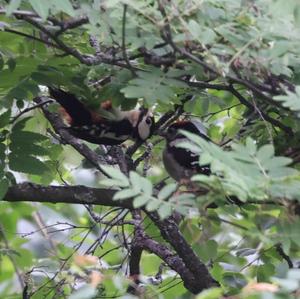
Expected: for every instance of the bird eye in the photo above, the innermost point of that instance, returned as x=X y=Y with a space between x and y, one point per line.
x=148 y=121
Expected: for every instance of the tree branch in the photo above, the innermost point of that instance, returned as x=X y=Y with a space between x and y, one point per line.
x=194 y=281
x=173 y=236
x=29 y=192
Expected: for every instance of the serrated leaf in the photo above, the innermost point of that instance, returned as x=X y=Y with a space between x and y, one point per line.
x=64 y=6
x=115 y=174
x=265 y=152
x=166 y=191
x=135 y=180
x=146 y=187
x=165 y=210
x=140 y=201
x=41 y=8
x=111 y=183
x=291 y=100
x=12 y=6
x=152 y=86
x=153 y=204
x=251 y=145
x=125 y=194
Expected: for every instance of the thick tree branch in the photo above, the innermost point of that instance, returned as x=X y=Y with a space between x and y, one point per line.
x=29 y=192
x=190 y=280
x=195 y=277
x=173 y=236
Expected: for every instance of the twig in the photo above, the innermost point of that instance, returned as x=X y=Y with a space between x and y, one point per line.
x=11 y=257
x=30 y=109
x=31 y=37
x=268 y=118
x=284 y=255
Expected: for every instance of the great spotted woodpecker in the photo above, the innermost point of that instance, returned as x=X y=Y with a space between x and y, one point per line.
x=179 y=162
x=108 y=126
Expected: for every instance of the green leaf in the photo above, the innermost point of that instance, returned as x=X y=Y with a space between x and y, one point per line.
x=11 y=62
x=20 y=125
x=153 y=204
x=251 y=145
x=265 y=152
x=41 y=8
x=212 y=293
x=234 y=280
x=208 y=250
x=115 y=174
x=152 y=85
x=166 y=191
x=2 y=153
x=87 y=292
x=165 y=210
x=22 y=148
x=64 y=6
x=4 y=118
x=264 y=272
x=111 y=183
x=27 y=164
x=124 y=194
x=140 y=201
x=12 y=6
x=4 y=184
x=26 y=137
x=291 y=100
x=146 y=187
x=135 y=180
x=1 y=62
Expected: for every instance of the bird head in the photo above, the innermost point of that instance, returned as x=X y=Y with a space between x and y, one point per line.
x=146 y=124
x=142 y=121
x=192 y=126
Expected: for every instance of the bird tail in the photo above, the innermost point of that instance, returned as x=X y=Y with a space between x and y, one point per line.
x=79 y=114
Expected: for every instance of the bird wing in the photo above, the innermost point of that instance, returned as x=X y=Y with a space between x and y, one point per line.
x=79 y=114
x=186 y=158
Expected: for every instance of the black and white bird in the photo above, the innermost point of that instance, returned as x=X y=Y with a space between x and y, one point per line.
x=181 y=163
x=107 y=125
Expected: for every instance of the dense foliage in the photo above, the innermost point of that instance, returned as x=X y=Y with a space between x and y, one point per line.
x=234 y=65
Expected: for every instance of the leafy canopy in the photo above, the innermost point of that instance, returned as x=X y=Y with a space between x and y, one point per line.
x=232 y=64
